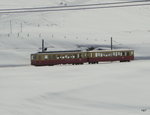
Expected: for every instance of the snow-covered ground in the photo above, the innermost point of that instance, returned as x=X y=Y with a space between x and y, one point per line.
x=104 y=88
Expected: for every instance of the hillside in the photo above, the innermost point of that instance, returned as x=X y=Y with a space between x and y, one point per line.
x=107 y=88
x=21 y=34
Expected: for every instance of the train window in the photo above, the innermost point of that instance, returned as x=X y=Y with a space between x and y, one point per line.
x=106 y=54
x=96 y=54
x=114 y=54
x=66 y=56
x=33 y=57
x=100 y=55
x=132 y=53
x=119 y=53
x=39 y=57
x=75 y=56
x=54 y=56
x=103 y=55
x=83 y=55
x=46 y=57
x=78 y=55
x=93 y=54
x=110 y=54
x=90 y=54
x=49 y=56
x=128 y=54
x=123 y=53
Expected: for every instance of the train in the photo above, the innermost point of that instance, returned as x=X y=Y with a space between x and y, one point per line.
x=80 y=57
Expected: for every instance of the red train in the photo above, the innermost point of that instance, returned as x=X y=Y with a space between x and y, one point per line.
x=80 y=57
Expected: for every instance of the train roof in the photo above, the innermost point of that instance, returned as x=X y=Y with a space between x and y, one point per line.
x=111 y=50
x=77 y=51
x=56 y=52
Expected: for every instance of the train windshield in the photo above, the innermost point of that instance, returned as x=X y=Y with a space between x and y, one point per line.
x=33 y=57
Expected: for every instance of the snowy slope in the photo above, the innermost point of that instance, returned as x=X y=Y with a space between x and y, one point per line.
x=108 y=88
x=69 y=29
x=105 y=88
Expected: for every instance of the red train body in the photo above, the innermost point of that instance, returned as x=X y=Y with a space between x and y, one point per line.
x=79 y=57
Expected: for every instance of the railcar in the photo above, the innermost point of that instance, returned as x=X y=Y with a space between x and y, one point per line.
x=80 y=57
x=55 y=58
x=110 y=55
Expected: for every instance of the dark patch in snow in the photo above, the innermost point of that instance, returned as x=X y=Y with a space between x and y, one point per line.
x=142 y=58
x=14 y=65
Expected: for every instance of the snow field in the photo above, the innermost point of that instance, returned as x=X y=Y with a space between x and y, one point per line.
x=83 y=89
x=105 y=88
